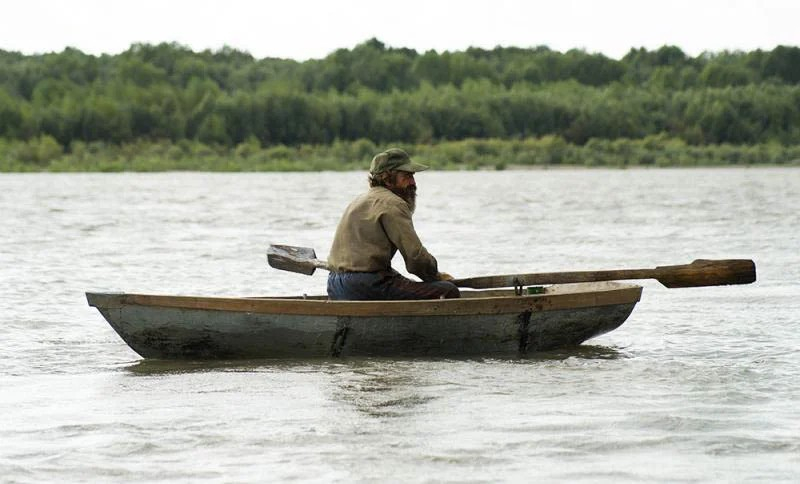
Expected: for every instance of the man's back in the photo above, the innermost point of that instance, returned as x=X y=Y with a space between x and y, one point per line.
x=374 y=226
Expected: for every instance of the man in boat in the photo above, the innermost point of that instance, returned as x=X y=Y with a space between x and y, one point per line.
x=373 y=228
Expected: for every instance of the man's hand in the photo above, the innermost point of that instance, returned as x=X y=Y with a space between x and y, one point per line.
x=443 y=276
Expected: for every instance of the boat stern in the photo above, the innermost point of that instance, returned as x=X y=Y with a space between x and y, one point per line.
x=105 y=300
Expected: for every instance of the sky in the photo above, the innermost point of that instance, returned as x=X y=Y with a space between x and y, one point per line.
x=312 y=29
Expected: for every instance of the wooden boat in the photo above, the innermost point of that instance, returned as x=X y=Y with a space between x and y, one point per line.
x=481 y=323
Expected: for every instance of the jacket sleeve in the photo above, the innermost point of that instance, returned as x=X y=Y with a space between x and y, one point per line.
x=397 y=224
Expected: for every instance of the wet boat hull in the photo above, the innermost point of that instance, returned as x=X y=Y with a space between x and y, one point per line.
x=488 y=323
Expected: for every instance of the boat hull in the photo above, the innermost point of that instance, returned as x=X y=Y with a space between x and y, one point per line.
x=488 y=323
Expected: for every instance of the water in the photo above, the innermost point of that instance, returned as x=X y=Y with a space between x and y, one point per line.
x=698 y=385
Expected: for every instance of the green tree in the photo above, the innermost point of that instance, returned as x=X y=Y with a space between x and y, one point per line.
x=783 y=63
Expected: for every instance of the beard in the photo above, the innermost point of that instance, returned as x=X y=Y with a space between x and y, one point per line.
x=409 y=194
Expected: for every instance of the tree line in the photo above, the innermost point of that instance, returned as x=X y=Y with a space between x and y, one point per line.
x=227 y=98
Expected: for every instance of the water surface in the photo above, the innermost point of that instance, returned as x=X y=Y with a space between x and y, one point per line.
x=698 y=385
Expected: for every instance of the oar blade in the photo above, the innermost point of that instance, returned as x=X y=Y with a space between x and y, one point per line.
x=704 y=272
x=293 y=259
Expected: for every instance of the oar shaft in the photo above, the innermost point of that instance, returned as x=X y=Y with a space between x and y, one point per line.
x=511 y=280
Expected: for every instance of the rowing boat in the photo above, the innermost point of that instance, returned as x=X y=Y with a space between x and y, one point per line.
x=480 y=323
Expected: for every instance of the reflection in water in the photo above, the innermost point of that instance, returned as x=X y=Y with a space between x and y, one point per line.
x=358 y=365
x=163 y=367
x=378 y=387
x=381 y=387
x=586 y=352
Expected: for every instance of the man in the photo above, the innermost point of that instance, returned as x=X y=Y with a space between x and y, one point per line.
x=373 y=228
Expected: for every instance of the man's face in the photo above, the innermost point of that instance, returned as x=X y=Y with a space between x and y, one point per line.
x=404 y=179
x=402 y=183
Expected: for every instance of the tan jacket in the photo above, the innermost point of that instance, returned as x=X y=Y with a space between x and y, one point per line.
x=373 y=228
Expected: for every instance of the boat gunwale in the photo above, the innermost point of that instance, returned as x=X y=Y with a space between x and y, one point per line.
x=603 y=294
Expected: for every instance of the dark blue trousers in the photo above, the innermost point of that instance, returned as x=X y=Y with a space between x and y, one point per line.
x=370 y=286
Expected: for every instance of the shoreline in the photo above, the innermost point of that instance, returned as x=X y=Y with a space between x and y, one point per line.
x=44 y=154
x=794 y=164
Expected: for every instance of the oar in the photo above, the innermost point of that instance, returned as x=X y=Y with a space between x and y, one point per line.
x=702 y=272
x=294 y=259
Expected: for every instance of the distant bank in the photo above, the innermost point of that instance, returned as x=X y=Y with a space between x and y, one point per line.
x=44 y=154
x=166 y=107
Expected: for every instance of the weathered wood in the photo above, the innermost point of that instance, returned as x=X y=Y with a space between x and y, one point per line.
x=294 y=259
x=555 y=297
x=699 y=273
x=212 y=327
x=703 y=272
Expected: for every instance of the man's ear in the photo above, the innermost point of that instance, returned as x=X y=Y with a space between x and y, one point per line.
x=389 y=179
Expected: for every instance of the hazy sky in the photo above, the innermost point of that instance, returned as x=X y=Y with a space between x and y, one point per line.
x=303 y=29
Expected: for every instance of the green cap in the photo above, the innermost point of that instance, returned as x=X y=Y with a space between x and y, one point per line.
x=394 y=159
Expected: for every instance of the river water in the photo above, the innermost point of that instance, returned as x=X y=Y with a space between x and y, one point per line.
x=699 y=385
